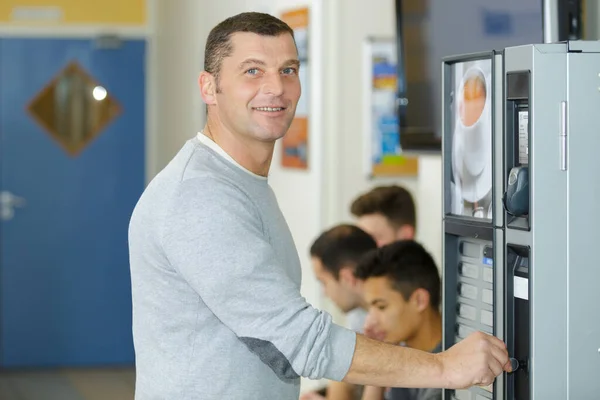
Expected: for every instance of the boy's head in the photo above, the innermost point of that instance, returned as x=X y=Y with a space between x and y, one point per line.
x=335 y=255
x=401 y=287
x=387 y=213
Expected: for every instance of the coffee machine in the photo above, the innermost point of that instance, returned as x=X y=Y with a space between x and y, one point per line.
x=520 y=147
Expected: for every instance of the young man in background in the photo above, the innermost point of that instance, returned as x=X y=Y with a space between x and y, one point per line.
x=335 y=255
x=387 y=213
x=401 y=285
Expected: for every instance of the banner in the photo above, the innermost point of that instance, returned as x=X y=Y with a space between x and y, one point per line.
x=383 y=154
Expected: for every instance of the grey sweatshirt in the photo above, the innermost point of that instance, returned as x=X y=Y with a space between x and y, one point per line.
x=217 y=310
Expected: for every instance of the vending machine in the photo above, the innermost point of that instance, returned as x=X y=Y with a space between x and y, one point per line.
x=521 y=144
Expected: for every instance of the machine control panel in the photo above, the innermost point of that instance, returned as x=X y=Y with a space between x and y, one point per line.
x=475 y=298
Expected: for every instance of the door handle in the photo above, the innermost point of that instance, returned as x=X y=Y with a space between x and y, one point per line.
x=8 y=203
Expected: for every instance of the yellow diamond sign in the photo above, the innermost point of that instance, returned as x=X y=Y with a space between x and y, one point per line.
x=74 y=108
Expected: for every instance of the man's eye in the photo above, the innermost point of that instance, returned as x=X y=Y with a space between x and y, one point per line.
x=252 y=71
x=289 y=71
x=381 y=308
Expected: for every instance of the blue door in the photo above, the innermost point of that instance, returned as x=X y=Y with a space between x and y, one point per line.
x=72 y=128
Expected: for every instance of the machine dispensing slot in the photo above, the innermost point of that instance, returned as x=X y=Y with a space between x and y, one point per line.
x=516 y=197
x=518 y=320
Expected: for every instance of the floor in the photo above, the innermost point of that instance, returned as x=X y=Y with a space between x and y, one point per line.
x=68 y=384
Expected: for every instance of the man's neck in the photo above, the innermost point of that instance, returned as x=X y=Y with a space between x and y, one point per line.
x=430 y=333
x=253 y=155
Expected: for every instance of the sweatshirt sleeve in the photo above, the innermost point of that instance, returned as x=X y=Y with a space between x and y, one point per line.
x=213 y=237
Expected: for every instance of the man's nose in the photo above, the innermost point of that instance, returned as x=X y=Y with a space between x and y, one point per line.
x=370 y=323
x=371 y=328
x=273 y=85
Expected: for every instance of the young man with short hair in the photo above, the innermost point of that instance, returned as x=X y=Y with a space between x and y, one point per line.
x=387 y=213
x=335 y=255
x=402 y=287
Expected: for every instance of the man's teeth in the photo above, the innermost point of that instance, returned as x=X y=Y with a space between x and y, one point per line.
x=269 y=108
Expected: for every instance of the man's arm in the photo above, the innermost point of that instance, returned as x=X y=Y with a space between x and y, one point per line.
x=215 y=240
x=476 y=360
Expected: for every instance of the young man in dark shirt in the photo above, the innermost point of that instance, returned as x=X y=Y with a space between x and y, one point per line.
x=401 y=285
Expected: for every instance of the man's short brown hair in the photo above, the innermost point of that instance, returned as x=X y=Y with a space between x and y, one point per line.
x=341 y=246
x=394 y=202
x=218 y=44
x=407 y=265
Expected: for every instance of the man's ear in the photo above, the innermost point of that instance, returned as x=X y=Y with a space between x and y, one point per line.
x=405 y=232
x=347 y=276
x=208 y=88
x=420 y=299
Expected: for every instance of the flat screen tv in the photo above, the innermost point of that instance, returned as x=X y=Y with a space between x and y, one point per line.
x=428 y=30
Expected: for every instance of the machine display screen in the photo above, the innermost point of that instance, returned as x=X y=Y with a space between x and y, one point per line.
x=523 y=129
x=469 y=109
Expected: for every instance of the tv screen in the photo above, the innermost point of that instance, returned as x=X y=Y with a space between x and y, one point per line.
x=429 y=30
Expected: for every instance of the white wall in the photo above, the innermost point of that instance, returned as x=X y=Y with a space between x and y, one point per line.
x=359 y=20
x=179 y=35
x=314 y=199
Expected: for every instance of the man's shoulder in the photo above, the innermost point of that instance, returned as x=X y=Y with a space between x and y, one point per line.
x=196 y=167
x=190 y=177
x=199 y=163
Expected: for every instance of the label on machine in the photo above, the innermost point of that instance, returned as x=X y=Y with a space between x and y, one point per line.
x=524 y=137
x=521 y=288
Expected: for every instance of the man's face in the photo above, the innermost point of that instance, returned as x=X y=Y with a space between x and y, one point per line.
x=336 y=290
x=396 y=318
x=379 y=227
x=259 y=86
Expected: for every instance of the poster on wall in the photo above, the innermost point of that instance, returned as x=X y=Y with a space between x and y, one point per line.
x=295 y=145
x=383 y=153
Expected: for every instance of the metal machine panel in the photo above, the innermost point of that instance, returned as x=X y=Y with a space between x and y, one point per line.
x=498 y=106
x=540 y=294
x=471 y=111
x=582 y=274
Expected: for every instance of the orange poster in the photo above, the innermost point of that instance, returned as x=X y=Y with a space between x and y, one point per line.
x=295 y=149
x=295 y=144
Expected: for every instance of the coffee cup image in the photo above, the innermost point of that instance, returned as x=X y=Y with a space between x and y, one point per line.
x=471 y=143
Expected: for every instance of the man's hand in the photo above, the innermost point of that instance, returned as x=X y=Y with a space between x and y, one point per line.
x=475 y=361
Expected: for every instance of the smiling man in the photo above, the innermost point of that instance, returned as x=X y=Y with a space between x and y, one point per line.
x=217 y=308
